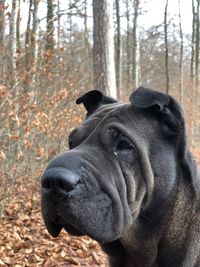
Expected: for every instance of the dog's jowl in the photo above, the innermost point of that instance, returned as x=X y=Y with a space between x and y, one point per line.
x=129 y=182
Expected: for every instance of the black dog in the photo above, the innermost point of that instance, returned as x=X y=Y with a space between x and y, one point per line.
x=128 y=182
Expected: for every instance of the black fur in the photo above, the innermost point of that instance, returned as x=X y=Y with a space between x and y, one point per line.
x=129 y=182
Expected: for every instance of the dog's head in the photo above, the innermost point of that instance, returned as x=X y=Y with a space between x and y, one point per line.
x=122 y=161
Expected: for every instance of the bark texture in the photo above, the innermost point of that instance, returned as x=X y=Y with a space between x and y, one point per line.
x=103 y=47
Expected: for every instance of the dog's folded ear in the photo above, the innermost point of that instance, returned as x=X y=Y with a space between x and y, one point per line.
x=164 y=107
x=92 y=100
x=170 y=116
x=146 y=98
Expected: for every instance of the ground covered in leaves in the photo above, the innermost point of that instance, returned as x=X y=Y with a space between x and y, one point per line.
x=24 y=241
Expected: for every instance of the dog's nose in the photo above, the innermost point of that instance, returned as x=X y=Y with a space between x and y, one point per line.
x=58 y=180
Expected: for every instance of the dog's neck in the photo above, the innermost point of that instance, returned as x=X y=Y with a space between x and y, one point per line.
x=165 y=248
x=177 y=231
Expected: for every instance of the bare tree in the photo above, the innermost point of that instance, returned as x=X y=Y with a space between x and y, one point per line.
x=13 y=38
x=2 y=22
x=59 y=25
x=197 y=43
x=166 y=48
x=193 y=42
x=181 y=56
x=2 y=36
x=103 y=47
x=136 y=51
x=70 y=6
x=50 y=25
x=86 y=41
x=28 y=38
x=34 y=43
x=118 y=48
x=194 y=67
x=18 y=28
x=35 y=28
x=128 y=45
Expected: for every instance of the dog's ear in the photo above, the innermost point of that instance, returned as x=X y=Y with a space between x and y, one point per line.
x=170 y=115
x=92 y=100
x=146 y=98
x=166 y=109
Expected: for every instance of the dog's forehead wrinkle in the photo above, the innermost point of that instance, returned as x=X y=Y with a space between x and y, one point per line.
x=109 y=107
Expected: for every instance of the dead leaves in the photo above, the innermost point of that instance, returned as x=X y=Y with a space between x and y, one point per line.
x=24 y=240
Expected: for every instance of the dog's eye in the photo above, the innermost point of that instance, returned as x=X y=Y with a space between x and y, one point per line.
x=124 y=145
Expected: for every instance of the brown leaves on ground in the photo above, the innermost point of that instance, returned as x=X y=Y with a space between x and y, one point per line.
x=24 y=240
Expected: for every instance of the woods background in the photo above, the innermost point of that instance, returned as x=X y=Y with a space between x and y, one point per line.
x=51 y=52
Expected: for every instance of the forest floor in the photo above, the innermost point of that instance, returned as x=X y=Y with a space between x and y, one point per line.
x=24 y=240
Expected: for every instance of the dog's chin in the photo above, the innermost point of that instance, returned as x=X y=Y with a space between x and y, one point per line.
x=54 y=229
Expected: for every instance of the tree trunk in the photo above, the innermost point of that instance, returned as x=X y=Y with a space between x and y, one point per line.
x=2 y=22
x=28 y=39
x=18 y=27
x=50 y=43
x=181 y=57
x=34 y=44
x=166 y=48
x=2 y=38
x=193 y=42
x=128 y=47
x=59 y=28
x=194 y=66
x=13 y=40
x=50 y=26
x=71 y=30
x=86 y=41
x=136 y=51
x=118 y=49
x=197 y=45
x=103 y=47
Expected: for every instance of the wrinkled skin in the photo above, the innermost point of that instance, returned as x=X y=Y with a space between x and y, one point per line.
x=128 y=181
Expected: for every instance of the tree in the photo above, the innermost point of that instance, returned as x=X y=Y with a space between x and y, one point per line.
x=34 y=42
x=136 y=51
x=181 y=56
x=197 y=43
x=103 y=47
x=166 y=48
x=2 y=36
x=13 y=38
x=59 y=25
x=50 y=26
x=128 y=46
x=118 y=48
x=2 y=22
x=86 y=38
x=18 y=28
x=193 y=42
x=31 y=43
x=194 y=66
x=28 y=39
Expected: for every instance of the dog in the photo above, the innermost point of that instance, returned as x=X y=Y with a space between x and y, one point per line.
x=128 y=181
